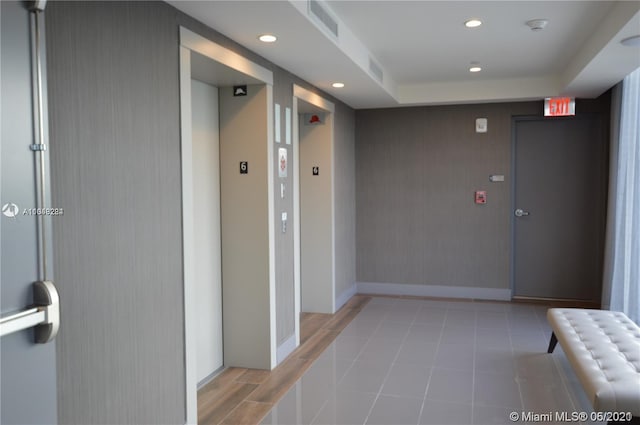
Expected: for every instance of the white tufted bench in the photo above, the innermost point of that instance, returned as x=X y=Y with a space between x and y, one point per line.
x=603 y=348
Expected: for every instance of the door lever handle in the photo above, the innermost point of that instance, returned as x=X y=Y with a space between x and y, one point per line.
x=44 y=314
x=521 y=213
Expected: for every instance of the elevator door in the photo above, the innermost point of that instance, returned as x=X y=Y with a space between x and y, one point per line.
x=206 y=220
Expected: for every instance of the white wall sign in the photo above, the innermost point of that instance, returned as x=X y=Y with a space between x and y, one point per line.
x=276 y=119
x=288 y=125
x=481 y=125
x=282 y=162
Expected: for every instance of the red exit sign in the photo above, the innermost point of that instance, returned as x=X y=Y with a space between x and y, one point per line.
x=559 y=106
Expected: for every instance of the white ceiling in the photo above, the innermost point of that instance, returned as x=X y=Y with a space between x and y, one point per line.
x=425 y=50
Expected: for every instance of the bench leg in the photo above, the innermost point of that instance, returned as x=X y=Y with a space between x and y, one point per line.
x=552 y=342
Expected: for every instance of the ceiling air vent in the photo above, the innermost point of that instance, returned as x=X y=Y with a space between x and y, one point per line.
x=375 y=70
x=323 y=17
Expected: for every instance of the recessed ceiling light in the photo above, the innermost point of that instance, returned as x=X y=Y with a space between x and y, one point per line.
x=475 y=68
x=267 y=38
x=633 y=41
x=473 y=23
x=338 y=85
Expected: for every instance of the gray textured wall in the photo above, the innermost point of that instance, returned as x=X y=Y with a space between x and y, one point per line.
x=283 y=95
x=115 y=149
x=344 y=155
x=115 y=155
x=417 y=170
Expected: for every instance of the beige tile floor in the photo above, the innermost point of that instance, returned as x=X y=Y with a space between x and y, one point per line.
x=413 y=361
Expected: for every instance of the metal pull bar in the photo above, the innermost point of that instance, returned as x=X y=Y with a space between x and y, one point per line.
x=44 y=314
x=23 y=320
x=39 y=116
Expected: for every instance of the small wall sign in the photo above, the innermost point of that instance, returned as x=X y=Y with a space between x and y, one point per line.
x=276 y=122
x=314 y=119
x=315 y=171
x=287 y=125
x=240 y=90
x=244 y=167
x=481 y=125
x=282 y=162
x=481 y=196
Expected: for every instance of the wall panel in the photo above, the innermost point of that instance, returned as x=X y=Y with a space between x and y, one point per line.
x=115 y=152
x=344 y=160
x=417 y=170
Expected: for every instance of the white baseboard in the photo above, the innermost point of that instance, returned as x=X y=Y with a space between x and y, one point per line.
x=286 y=348
x=437 y=291
x=346 y=296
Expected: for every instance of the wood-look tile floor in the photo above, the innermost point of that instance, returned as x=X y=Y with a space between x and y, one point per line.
x=245 y=396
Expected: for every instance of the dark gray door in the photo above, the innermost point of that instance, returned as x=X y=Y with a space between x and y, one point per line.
x=559 y=205
x=28 y=370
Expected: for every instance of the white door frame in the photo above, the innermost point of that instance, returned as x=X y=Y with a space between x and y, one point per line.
x=322 y=103
x=189 y=41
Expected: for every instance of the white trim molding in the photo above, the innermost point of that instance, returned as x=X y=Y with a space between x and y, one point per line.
x=188 y=237
x=190 y=41
x=312 y=98
x=437 y=291
x=322 y=103
x=218 y=53
x=272 y=225
x=296 y=218
x=346 y=296
x=287 y=348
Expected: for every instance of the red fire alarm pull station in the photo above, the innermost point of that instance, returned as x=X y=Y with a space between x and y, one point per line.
x=481 y=196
